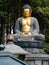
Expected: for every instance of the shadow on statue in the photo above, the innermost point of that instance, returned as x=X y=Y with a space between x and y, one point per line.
x=27 y=31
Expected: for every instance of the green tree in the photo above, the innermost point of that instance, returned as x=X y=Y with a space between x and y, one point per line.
x=3 y=14
x=46 y=48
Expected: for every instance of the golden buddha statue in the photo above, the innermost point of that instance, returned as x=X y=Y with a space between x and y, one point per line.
x=26 y=22
x=27 y=25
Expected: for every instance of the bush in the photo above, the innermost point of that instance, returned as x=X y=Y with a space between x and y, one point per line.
x=46 y=48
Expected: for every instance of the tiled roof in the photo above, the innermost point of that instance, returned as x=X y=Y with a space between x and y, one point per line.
x=7 y=59
x=15 y=49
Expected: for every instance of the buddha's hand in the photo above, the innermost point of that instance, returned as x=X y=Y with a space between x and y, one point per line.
x=26 y=33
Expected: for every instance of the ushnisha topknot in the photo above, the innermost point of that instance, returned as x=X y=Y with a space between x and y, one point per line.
x=26 y=6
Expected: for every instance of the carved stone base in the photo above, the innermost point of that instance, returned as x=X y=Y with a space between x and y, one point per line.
x=31 y=44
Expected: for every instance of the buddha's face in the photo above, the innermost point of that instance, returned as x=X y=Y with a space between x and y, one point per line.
x=26 y=12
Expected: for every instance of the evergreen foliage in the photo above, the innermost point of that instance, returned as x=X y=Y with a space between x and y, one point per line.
x=46 y=48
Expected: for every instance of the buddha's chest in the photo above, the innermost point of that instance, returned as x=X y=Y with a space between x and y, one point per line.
x=26 y=23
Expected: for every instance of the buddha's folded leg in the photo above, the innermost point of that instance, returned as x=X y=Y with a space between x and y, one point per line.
x=39 y=37
x=16 y=36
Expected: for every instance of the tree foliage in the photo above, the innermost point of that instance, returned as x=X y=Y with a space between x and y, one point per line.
x=46 y=48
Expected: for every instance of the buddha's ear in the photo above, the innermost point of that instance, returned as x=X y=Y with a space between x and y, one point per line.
x=31 y=11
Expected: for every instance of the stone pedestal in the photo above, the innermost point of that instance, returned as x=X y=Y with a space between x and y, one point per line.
x=29 y=42
x=38 y=57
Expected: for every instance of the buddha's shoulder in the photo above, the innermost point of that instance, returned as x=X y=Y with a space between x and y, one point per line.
x=33 y=18
x=19 y=19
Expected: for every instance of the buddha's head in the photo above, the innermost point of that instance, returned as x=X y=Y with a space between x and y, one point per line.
x=26 y=10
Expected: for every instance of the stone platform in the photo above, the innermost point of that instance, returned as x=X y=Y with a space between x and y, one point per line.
x=31 y=44
x=28 y=42
x=38 y=57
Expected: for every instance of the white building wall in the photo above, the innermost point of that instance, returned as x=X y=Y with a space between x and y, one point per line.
x=38 y=62
x=31 y=62
x=45 y=62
